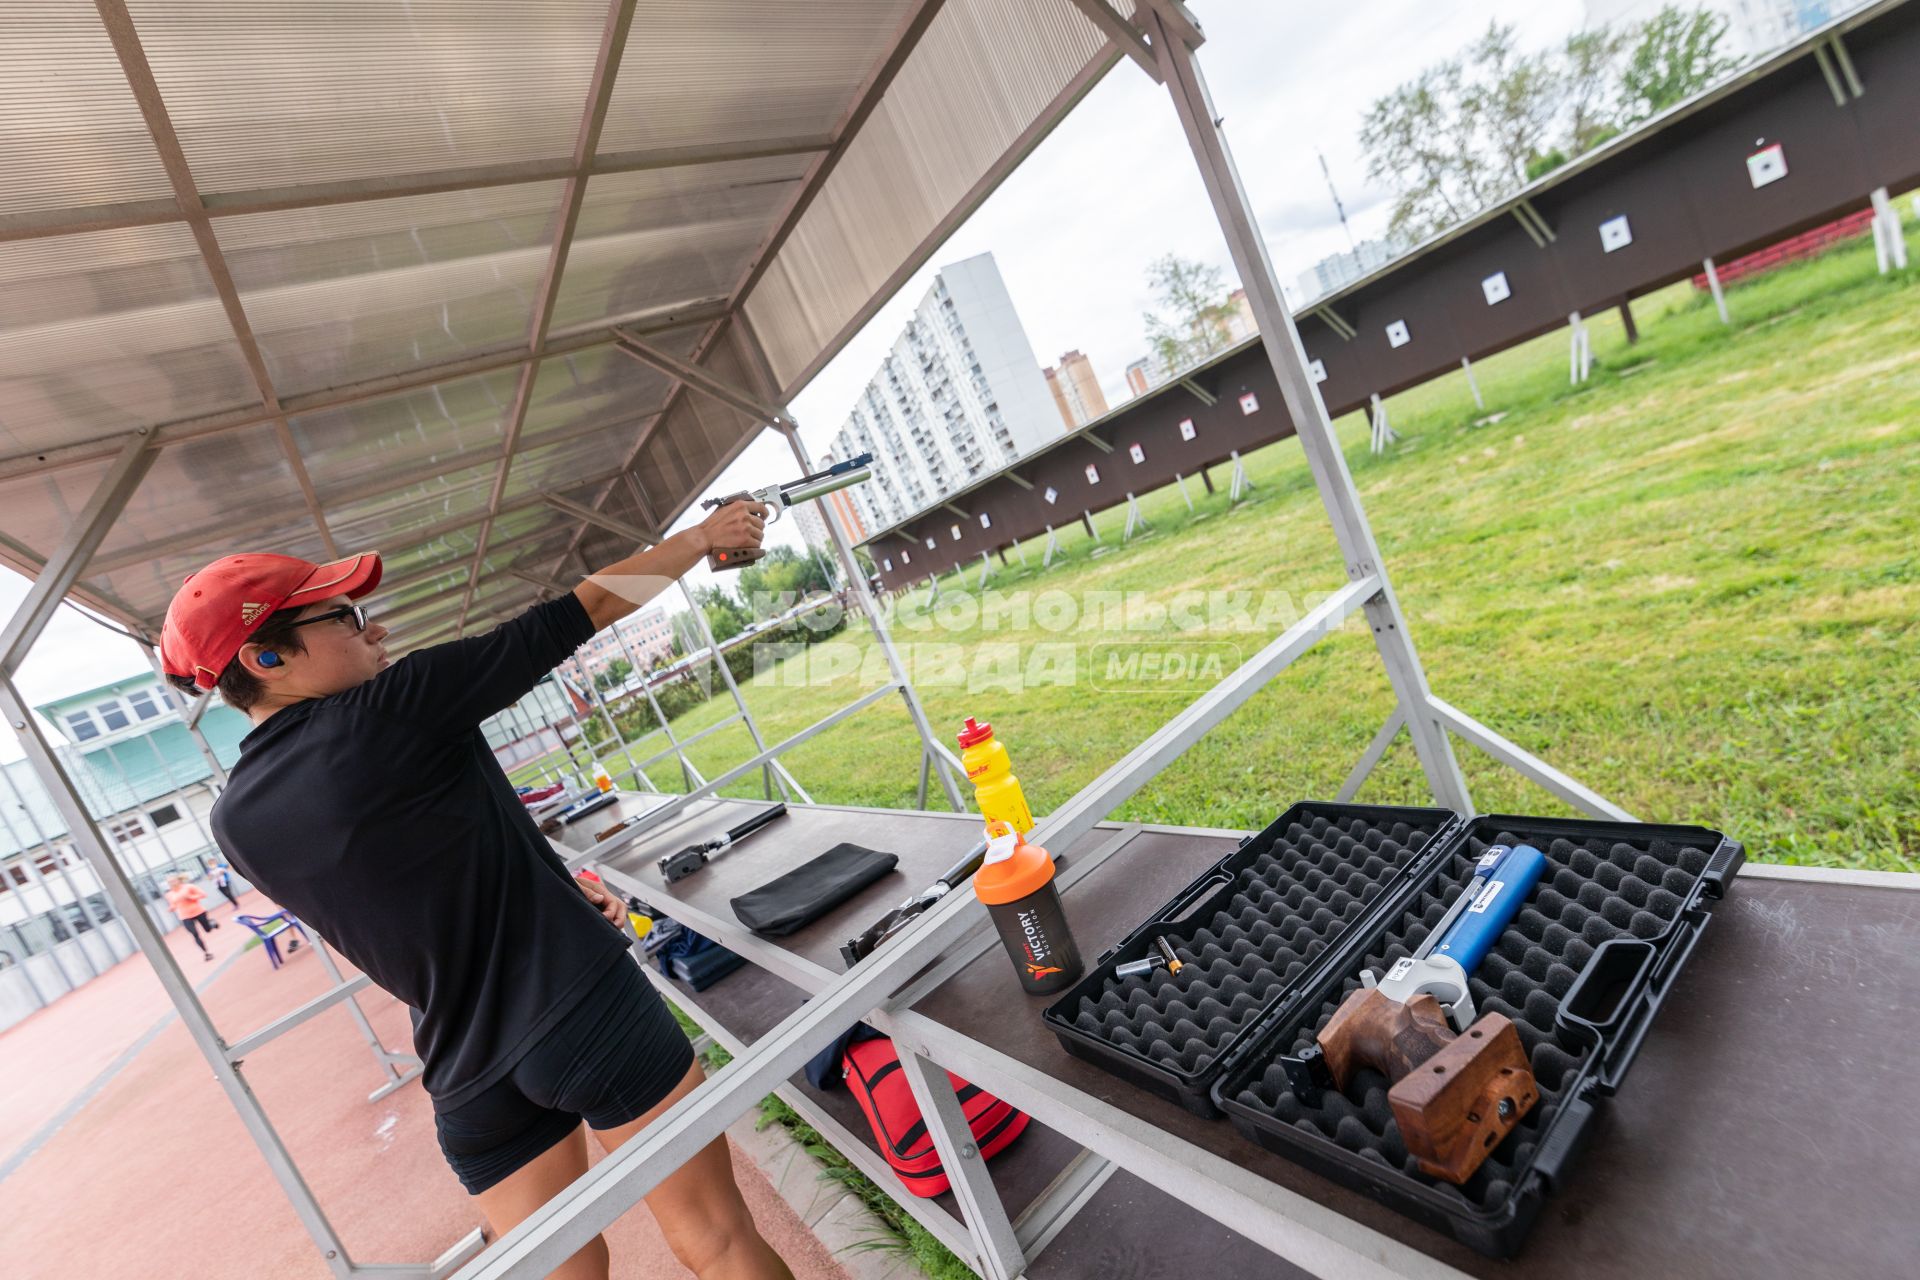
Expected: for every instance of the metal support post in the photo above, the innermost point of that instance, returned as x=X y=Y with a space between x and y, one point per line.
x=1473 y=383
x=1020 y=551
x=908 y=694
x=767 y=776
x=1053 y=548
x=1184 y=495
x=1381 y=433
x=986 y=571
x=613 y=726
x=998 y=1255
x=1713 y=283
x=1240 y=484
x=178 y=701
x=1579 y=350
x=1889 y=238
x=1086 y=518
x=1134 y=520
x=1274 y=318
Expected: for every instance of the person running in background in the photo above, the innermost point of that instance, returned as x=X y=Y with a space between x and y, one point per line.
x=189 y=903
x=223 y=881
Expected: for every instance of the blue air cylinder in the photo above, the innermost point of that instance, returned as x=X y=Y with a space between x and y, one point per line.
x=1479 y=926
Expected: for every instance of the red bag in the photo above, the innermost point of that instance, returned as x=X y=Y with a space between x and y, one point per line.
x=874 y=1077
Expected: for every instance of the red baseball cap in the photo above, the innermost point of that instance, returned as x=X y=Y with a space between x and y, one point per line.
x=216 y=609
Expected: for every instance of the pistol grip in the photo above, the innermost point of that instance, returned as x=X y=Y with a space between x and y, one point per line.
x=733 y=557
x=1372 y=1029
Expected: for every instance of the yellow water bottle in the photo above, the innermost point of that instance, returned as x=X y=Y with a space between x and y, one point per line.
x=994 y=787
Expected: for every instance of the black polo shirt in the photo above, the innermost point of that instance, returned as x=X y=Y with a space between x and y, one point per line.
x=380 y=817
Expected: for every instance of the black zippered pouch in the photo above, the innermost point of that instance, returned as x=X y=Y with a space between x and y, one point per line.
x=810 y=890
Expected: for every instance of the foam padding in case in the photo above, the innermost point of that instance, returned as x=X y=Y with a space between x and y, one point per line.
x=1288 y=902
x=1594 y=889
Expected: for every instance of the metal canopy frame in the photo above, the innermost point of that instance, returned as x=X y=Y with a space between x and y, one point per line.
x=1157 y=32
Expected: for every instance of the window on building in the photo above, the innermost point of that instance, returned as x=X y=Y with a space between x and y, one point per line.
x=126 y=830
x=81 y=726
x=165 y=815
x=113 y=715
x=145 y=703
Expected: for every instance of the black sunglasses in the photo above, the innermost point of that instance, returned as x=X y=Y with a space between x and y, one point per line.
x=354 y=611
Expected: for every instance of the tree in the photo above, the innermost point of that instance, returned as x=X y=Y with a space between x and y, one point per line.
x=1189 y=319
x=1470 y=130
x=726 y=616
x=1460 y=135
x=780 y=578
x=1590 y=86
x=1676 y=55
x=613 y=675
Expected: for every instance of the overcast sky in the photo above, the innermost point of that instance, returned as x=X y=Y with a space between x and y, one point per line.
x=1074 y=228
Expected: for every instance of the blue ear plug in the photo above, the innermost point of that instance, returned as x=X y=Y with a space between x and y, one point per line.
x=268 y=658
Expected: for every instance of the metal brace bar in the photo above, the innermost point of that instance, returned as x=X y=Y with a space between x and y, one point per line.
x=957 y=511
x=701 y=380
x=1847 y=69
x=1831 y=76
x=612 y=524
x=997 y=1251
x=286 y=1022
x=1533 y=232
x=1122 y=33
x=1019 y=479
x=1096 y=442
x=726 y=676
x=689 y=741
x=1336 y=322
x=1066 y=1195
x=69 y=560
x=1396 y=721
x=1200 y=393
x=1526 y=764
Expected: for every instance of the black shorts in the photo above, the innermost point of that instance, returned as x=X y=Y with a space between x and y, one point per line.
x=608 y=1062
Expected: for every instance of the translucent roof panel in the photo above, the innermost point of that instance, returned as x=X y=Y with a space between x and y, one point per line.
x=598 y=385
x=383 y=442
x=658 y=237
x=384 y=521
x=344 y=293
x=983 y=74
x=744 y=70
x=558 y=466
x=696 y=441
x=271 y=93
x=148 y=585
x=75 y=138
x=37 y=508
x=107 y=331
x=212 y=493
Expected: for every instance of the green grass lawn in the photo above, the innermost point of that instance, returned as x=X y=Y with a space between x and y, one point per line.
x=1691 y=583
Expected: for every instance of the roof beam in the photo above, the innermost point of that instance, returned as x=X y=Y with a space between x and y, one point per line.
x=546 y=586
x=613 y=44
x=146 y=92
x=226 y=204
x=1123 y=33
x=692 y=375
x=865 y=100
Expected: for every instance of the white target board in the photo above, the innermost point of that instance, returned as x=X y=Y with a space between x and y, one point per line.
x=1767 y=165
x=1615 y=233
x=1496 y=288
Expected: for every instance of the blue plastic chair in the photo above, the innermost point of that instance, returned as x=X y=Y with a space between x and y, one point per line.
x=269 y=928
